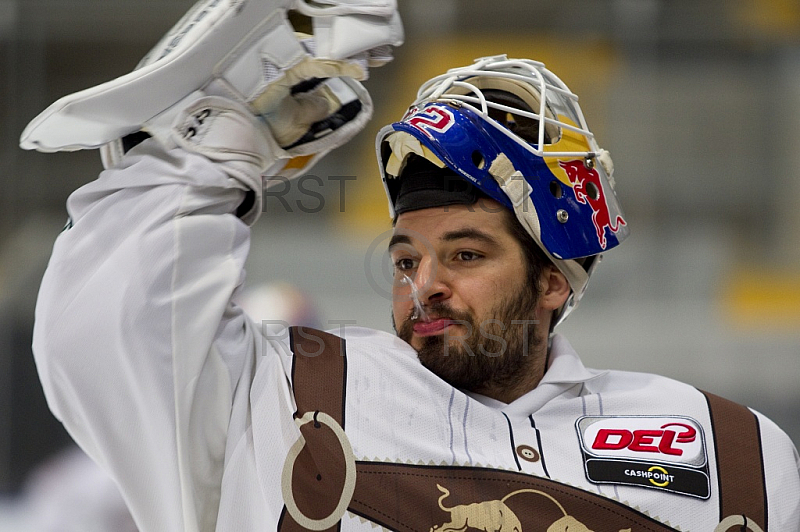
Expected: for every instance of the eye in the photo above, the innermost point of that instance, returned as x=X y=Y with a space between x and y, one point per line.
x=405 y=264
x=467 y=256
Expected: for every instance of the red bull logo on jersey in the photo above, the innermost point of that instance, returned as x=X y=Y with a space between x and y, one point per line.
x=496 y=516
x=588 y=189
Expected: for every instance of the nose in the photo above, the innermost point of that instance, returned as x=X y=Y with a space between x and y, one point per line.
x=431 y=281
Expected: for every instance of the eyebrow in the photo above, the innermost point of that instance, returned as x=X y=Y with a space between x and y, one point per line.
x=399 y=239
x=469 y=234
x=451 y=236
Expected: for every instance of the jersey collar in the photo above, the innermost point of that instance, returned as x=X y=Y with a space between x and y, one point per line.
x=565 y=371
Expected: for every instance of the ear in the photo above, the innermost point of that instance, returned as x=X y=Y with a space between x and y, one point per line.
x=555 y=288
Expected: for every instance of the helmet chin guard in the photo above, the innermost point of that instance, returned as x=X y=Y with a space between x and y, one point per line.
x=515 y=131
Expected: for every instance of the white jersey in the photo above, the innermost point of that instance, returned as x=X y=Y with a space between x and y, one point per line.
x=189 y=404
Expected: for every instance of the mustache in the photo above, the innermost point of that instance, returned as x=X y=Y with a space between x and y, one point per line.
x=439 y=310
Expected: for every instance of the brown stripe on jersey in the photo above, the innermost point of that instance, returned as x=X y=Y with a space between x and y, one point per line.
x=409 y=498
x=319 y=372
x=740 y=467
x=319 y=377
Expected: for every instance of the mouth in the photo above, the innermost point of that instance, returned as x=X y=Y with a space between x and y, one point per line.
x=432 y=327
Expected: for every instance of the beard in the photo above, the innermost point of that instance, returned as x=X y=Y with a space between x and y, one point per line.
x=495 y=352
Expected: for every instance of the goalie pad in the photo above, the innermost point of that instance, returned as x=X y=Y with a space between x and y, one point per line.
x=246 y=51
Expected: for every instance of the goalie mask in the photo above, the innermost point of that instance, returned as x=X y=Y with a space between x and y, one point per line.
x=515 y=131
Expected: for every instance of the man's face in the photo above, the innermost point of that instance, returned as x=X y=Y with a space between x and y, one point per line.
x=471 y=281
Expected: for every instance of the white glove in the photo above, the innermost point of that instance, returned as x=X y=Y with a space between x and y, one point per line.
x=305 y=88
x=227 y=133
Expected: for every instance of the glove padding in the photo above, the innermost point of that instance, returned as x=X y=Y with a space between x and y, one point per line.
x=302 y=87
x=227 y=133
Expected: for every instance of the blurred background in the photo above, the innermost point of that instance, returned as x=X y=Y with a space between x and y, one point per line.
x=698 y=102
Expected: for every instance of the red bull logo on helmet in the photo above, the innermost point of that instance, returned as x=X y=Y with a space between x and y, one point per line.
x=588 y=189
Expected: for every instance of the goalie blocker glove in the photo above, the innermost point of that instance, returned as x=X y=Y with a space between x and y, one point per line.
x=304 y=87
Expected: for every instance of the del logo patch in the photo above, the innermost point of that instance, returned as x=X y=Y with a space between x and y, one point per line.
x=666 y=453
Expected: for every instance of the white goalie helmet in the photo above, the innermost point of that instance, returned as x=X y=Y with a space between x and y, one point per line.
x=515 y=131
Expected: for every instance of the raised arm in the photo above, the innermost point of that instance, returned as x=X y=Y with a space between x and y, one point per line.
x=131 y=315
x=140 y=351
